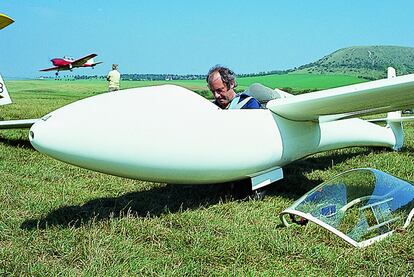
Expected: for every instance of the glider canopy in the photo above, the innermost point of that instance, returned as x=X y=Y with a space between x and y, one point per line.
x=361 y=206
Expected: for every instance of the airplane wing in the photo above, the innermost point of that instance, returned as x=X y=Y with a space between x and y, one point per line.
x=366 y=98
x=52 y=68
x=81 y=61
x=5 y=20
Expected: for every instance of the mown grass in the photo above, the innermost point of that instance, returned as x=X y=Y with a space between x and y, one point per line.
x=57 y=219
x=299 y=82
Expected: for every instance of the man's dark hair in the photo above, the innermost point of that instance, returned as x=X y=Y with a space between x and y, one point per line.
x=227 y=75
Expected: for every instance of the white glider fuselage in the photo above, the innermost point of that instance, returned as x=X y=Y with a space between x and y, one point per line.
x=170 y=134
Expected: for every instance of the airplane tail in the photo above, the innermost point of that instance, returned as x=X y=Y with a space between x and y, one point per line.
x=95 y=64
x=4 y=94
x=395 y=119
x=396 y=127
x=91 y=62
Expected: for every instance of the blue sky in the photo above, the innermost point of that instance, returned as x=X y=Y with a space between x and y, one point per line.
x=188 y=37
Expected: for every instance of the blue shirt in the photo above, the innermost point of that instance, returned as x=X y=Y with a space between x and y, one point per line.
x=251 y=104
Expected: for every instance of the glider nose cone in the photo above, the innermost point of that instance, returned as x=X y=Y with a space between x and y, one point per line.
x=33 y=134
x=38 y=135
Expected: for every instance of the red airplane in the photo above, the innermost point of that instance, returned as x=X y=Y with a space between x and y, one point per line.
x=67 y=63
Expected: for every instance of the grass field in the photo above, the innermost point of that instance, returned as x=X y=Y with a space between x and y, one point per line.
x=299 y=82
x=57 y=219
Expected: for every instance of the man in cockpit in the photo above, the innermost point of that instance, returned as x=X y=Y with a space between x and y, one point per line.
x=222 y=82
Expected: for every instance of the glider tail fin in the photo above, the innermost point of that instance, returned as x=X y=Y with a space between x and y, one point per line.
x=393 y=118
x=4 y=95
x=394 y=122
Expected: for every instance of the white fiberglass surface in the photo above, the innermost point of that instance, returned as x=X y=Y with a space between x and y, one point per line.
x=373 y=97
x=164 y=133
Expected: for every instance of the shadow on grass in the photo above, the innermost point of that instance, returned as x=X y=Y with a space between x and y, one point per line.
x=407 y=149
x=19 y=142
x=175 y=198
x=151 y=203
x=295 y=183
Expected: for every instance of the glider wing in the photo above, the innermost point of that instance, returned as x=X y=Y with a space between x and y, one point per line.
x=17 y=124
x=366 y=98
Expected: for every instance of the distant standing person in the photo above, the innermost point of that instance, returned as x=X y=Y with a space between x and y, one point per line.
x=113 y=78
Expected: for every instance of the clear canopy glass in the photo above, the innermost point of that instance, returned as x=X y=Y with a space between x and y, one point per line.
x=361 y=206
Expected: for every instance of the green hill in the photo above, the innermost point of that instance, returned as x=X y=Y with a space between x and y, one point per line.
x=369 y=62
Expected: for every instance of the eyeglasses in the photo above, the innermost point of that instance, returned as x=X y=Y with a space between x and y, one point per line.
x=221 y=90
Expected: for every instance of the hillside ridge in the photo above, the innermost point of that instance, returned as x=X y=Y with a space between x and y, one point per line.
x=369 y=62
